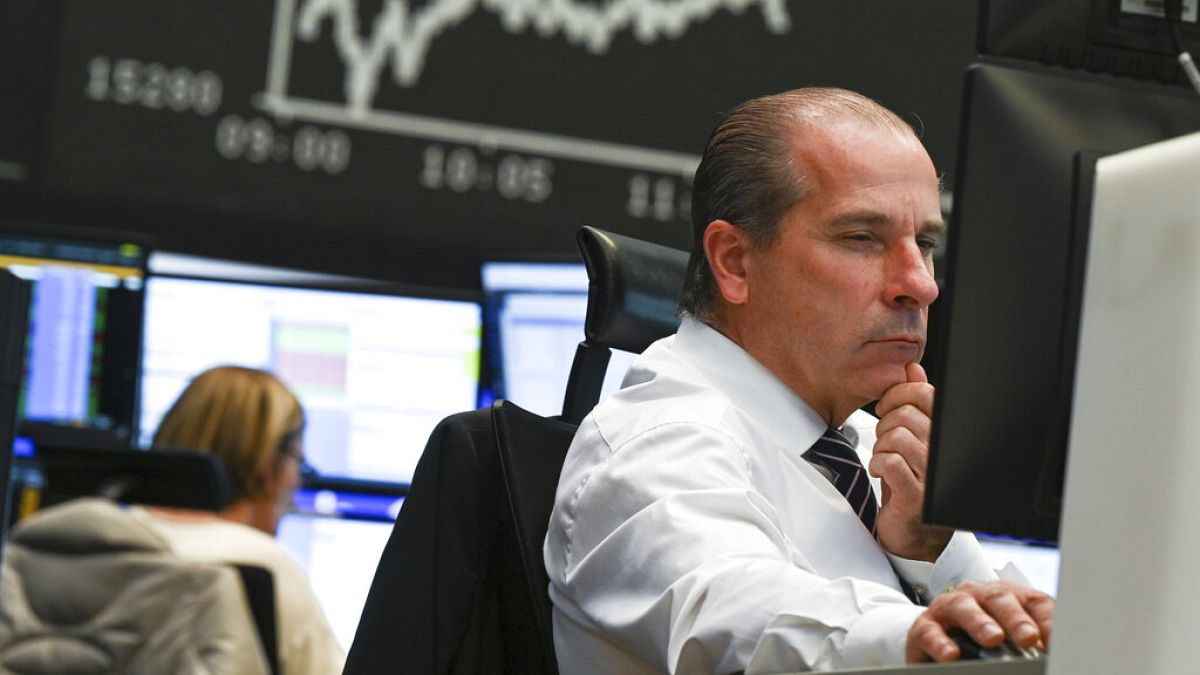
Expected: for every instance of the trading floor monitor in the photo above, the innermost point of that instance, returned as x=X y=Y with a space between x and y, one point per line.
x=14 y=312
x=534 y=316
x=375 y=371
x=80 y=361
x=338 y=536
x=1016 y=256
x=1130 y=525
x=1128 y=38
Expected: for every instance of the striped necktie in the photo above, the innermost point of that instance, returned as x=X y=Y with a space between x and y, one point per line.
x=834 y=452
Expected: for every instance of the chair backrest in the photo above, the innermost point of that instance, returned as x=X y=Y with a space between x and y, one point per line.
x=633 y=289
x=174 y=478
x=258 y=584
x=532 y=449
x=633 y=292
x=434 y=604
x=88 y=587
x=167 y=477
x=461 y=587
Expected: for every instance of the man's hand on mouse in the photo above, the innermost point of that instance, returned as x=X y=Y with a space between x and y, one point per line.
x=989 y=612
x=901 y=453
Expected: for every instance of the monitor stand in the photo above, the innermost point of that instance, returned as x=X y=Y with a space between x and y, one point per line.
x=1130 y=538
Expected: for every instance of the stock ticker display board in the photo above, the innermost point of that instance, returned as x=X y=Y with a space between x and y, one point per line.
x=493 y=127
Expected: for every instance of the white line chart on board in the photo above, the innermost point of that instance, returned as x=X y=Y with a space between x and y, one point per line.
x=399 y=39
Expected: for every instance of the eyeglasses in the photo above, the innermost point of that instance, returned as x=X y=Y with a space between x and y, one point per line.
x=290 y=447
x=293 y=450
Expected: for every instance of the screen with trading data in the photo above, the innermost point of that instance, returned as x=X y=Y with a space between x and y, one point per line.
x=374 y=372
x=80 y=355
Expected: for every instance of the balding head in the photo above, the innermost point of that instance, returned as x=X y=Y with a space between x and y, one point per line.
x=749 y=174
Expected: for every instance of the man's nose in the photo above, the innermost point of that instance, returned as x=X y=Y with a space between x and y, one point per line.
x=910 y=278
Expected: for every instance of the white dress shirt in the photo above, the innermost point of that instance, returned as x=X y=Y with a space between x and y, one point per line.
x=690 y=536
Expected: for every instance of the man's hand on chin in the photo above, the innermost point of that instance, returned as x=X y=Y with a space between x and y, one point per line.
x=901 y=454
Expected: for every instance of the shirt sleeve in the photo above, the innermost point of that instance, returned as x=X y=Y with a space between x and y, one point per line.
x=665 y=547
x=963 y=560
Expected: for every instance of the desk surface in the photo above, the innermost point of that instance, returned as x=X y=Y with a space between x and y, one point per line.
x=1022 y=667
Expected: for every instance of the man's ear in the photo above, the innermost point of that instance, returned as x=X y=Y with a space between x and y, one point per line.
x=726 y=247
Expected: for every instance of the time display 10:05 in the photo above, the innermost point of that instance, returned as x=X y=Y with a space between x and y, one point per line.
x=462 y=169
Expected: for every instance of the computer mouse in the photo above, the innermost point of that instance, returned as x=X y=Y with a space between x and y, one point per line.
x=1005 y=651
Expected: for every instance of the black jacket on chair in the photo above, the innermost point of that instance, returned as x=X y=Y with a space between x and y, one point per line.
x=461 y=587
x=450 y=594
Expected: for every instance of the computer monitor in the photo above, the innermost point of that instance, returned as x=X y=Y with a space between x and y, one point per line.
x=1118 y=37
x=1009 y=322
x=534 y=316
x=375 y=371
x=1129 y=508
x=1039 y=563
x=84 y=335
x=338 y=536
x=14 y=314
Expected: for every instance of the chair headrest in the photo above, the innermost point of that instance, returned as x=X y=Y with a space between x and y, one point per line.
x=176 y=477
x=633 y=289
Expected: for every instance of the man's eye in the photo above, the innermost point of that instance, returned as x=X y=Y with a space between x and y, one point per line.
x=927 y=243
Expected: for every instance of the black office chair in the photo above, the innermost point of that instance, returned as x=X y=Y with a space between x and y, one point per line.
x=461 y=587
x=173 y=478
x=258 y=584
x=166 y=477
x=633 y=289
x=88 y=587
x=531 y=449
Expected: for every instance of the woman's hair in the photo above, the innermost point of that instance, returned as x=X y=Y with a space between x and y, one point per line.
x=242 y=415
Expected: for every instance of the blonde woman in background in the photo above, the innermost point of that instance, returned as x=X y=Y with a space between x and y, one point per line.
x=252 y=422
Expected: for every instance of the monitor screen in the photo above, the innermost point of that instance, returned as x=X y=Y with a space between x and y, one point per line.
x=1119 y=37
x=338 y=537
x=1039 y=563
x=14 y=313
x=375 y=372
x=84 y=331
x=535 y=313
x=1009 y=315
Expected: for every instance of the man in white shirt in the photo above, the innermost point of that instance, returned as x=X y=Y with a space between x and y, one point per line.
x=691 y=532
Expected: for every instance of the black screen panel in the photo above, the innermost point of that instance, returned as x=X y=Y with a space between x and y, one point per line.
x=1009 y=317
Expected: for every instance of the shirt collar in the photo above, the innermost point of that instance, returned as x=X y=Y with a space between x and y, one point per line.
x=748 y=384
